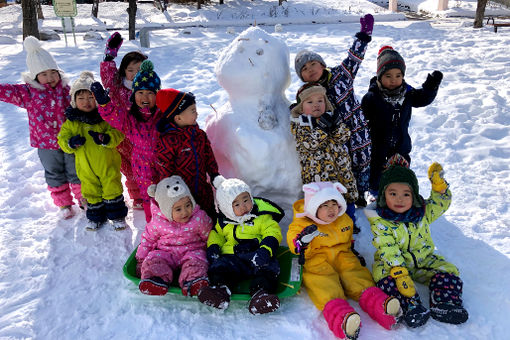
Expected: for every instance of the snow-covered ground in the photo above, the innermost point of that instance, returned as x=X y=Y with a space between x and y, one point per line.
x=58 y=281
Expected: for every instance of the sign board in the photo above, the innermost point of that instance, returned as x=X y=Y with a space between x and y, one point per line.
x=65 y=8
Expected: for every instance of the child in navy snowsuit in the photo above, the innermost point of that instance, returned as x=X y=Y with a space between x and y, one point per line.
x=387 y=106
x=339 y=83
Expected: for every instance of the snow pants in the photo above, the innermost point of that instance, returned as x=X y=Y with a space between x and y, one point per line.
x=60 y=175
x=163 y=263
x=328 y=276
x=230 y=269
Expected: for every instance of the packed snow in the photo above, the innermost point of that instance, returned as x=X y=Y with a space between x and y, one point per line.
x=59 y=281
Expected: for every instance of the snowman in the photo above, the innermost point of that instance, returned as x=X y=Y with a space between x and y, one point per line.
x=250 y=134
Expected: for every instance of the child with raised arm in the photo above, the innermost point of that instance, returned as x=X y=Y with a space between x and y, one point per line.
x=321 y=233
x=243 y=245
x=321 y=142
x=400 y=220
x=45 y=96
x=339 y=84
x=175 y=239
x=120 y=84
x=93 y=142
x=387 y=107
x=183 y=148
x=138 y=124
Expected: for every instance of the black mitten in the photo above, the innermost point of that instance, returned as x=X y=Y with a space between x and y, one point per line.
x=100 y=138
x=76 y=141
x=433 y=80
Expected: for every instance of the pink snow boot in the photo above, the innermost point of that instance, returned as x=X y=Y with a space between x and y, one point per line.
x=382 y=308
x=61 y=195
x=342 y=319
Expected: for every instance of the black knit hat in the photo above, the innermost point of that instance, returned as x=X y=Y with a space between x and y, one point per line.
x=398 y=172
x=387 y=59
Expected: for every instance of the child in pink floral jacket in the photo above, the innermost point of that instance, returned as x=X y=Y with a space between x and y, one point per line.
x=45 y=96
x=176 y=237
x=120 y=83
x=137 y=123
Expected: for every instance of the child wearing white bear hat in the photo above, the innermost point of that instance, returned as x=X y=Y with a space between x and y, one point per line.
x=174 y=239
x=331 y=271
x=243 y=245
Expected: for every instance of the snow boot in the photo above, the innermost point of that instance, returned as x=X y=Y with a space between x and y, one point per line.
x=382 y=308
x=446 y=299
x=153 y=286
x=93 y=226
x=138 y=204
x=262 y=302
x=342 y=319
x=119 y=224
x=66 y=212
x=191 y=288
x=416 y=314
x=215 y=296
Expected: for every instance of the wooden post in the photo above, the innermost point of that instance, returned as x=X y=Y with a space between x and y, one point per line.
x=392 y=5
x=442 y=5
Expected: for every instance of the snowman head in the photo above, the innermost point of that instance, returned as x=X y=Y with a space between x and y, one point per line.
x=254 y=64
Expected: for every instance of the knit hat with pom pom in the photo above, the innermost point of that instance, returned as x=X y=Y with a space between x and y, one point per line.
x=82 y=83
x=388 y=59
x=146 y=79
x=38 y=59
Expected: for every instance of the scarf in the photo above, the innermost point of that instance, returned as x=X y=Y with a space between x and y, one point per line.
x=93 y=117
x=413 y=215
x=395 y=96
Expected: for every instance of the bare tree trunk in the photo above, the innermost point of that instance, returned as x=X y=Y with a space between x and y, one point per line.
x=40 y=14
x=480 y=13
x=30 y=26
x=199 y=4
x=132 y=19
x=95 y=8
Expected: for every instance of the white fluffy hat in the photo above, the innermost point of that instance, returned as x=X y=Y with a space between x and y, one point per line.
x=38 y=59
x=226 y=192
x=317 y=193
x=168 y=192
x=82 y=83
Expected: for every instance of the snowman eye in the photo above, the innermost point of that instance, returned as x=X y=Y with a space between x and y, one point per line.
x=240 y=49
x=260 y=51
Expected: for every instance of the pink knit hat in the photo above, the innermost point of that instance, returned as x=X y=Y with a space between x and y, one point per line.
x=317 y=193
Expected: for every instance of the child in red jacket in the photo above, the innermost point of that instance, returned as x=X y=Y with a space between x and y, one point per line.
x=183 y=148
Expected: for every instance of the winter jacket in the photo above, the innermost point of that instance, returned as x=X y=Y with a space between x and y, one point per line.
x=408 y=244
x=186 y=151
x=324 y=155
x=143 y=137
x=97 y=166
x=263 y=230
x=389 y=125
x=339 y=84
x=45 y=107
x=174 y=237
x=331 y=269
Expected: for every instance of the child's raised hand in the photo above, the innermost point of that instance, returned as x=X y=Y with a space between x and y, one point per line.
x=76 y=141
x=100 y=138
x=100 y=93
x=435 y=174
x=367 y=24
x=433 y=80
x=405 y=284
x=113 y=45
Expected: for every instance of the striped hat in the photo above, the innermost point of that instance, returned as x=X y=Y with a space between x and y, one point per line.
x=172 y=102
x=388 y=59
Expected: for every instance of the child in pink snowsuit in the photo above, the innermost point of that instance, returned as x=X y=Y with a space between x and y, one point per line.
x=45 y=96
x=176 y=237
x=138 y=124
x=120 y=83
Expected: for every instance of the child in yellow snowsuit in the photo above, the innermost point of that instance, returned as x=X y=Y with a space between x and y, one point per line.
x=321 y=232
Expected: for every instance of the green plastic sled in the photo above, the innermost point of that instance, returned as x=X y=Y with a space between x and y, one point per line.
x=289 y=280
